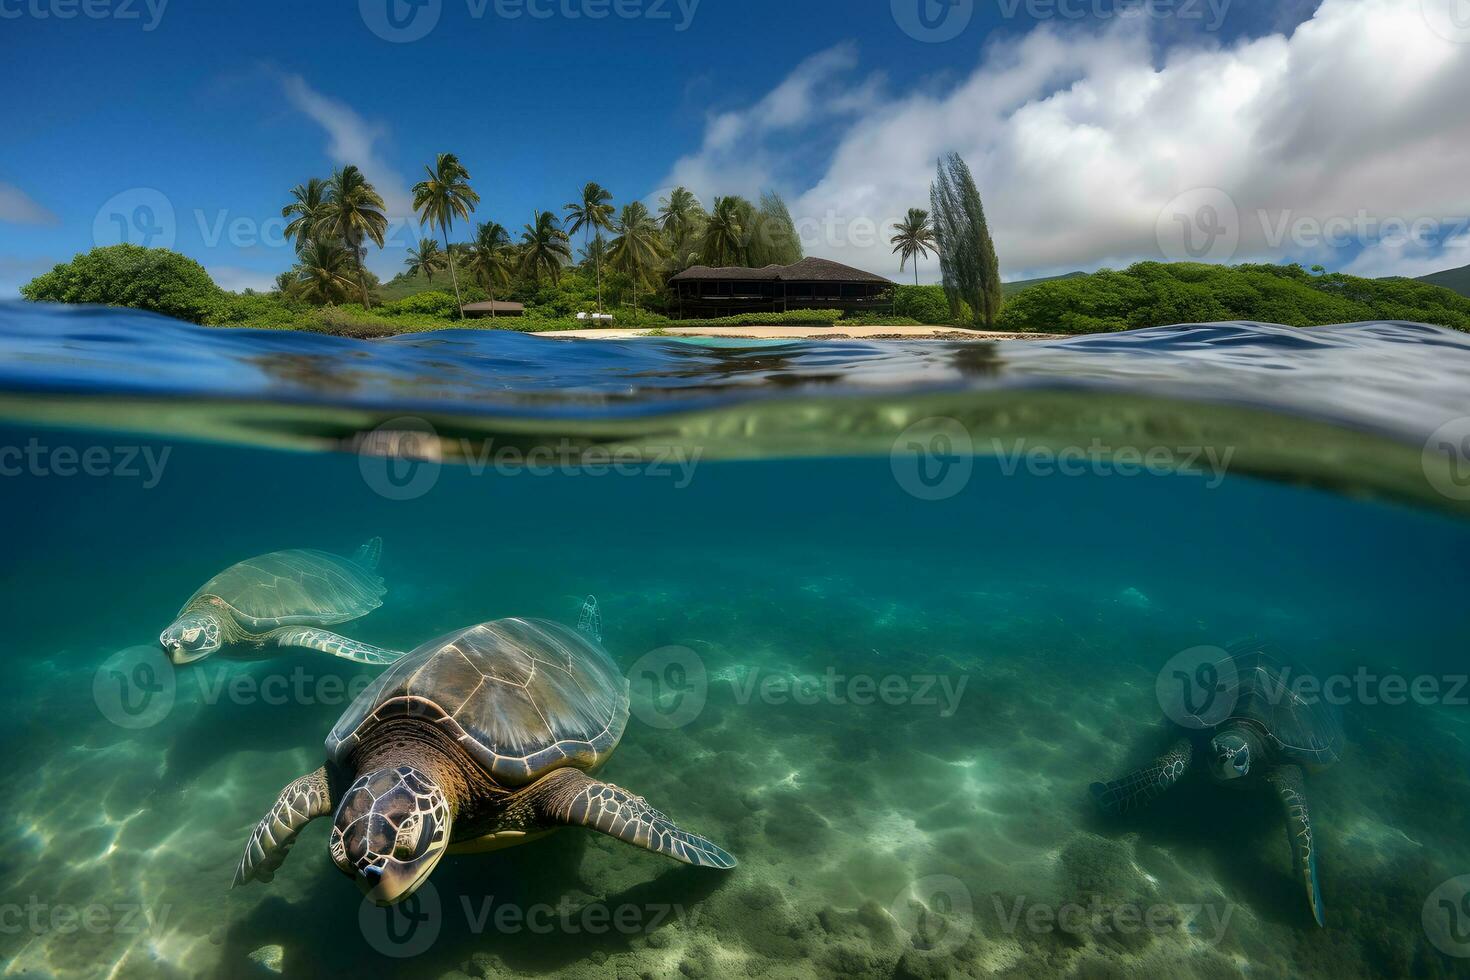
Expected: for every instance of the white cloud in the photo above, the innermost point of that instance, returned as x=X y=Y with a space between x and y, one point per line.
x=237 y=280
x=1079 y=139
x=17 y=207
x=352 y=139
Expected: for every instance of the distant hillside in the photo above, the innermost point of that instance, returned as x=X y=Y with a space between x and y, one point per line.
x=1009 y=289
x=1455 y=279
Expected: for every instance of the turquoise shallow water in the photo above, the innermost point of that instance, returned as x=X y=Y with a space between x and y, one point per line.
x=882 y=677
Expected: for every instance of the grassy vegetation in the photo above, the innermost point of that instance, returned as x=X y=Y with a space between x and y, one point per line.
x=1457 y=280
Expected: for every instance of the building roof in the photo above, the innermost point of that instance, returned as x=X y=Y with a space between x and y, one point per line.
x=499 y=306
x=807 y=270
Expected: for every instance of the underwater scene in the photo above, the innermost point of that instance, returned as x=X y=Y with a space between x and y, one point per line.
x=1132 y=655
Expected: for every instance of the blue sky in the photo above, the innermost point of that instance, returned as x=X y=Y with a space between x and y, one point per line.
x=127 y=110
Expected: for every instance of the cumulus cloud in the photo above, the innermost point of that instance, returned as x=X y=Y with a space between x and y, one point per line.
x=17 y=207
x=1081 y=139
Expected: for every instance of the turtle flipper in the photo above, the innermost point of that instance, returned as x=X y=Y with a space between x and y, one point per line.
x=338 y=646
x=569 y=797
x=1141 y=786
x=1290 y=785
x=369 y=554
x=590 y=620
x=299 y=804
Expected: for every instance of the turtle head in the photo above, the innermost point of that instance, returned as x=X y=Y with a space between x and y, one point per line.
x=190 y=638
x=391 y=829
x=1231 y=756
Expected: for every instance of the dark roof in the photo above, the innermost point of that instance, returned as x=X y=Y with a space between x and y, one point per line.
x=807 y=270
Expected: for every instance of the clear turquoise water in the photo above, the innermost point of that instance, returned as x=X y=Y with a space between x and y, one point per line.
x=928 y=833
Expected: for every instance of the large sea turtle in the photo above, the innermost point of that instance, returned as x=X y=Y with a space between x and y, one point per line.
x=1251 y=717
x=481 y=739
x=282 y=599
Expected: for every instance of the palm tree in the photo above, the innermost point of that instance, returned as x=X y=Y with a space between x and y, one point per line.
x=680 y=217
x=915 y=237
x=426 y=259
x=544 y=247
x=444 y=196
x=491 y=258
x=307 y=206
x=724 y=234
x=325 y=273
x=353 y=213
x=638 y=248
x=592 y=213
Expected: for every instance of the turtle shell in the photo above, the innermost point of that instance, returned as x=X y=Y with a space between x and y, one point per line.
x=294 y=588
x=521 y=696
x=1287 y=705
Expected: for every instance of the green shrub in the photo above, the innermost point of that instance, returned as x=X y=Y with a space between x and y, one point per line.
x=1152 y=294
x=925 y=304
x=130 y=275
x=433 y=303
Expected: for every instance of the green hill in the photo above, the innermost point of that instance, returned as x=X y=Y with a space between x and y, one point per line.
x=1009 y=289
x=1151 y=294
x=1455 y=279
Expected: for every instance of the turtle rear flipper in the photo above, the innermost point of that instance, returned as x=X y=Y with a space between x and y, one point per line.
x=369 y=554
x=1290 y=786
x=1141 y=786
x=326 y=641
x=569 y=797
x=299 y=804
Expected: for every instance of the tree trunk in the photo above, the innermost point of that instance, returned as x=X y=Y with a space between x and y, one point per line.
x=458 y=303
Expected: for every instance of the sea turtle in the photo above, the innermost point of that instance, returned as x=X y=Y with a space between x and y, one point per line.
x=1251 y=716
x=282 y=599
x=480 y=739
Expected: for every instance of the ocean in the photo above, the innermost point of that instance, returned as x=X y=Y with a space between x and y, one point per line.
x=886 y=612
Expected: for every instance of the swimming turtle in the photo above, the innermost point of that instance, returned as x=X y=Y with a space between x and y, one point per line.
x=480 y=739
x=283 y=599
x=1251 y=717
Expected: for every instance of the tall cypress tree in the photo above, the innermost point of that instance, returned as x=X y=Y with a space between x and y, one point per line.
x=967 y=258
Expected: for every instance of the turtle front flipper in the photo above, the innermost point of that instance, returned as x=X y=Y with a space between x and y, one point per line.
x=338 y=646
x=1141 y=786
x=1290 y=785
x=299 y=804
x=569 y=797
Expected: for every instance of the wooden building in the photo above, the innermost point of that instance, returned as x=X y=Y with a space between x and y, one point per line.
x=497 y=308
x=704 y=291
